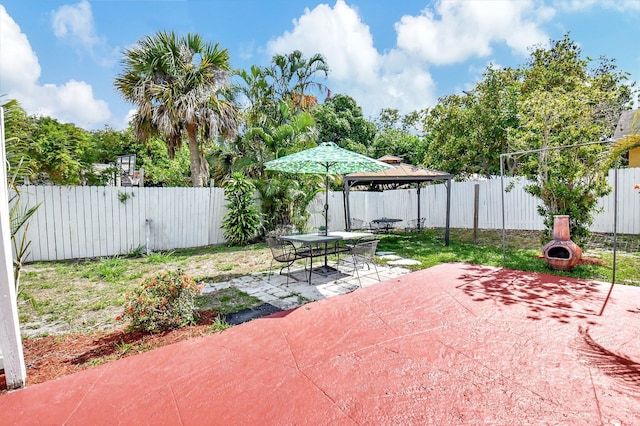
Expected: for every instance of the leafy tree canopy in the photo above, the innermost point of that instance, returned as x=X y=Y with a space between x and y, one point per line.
x=340 y=120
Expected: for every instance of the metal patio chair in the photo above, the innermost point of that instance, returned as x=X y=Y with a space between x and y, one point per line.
x=285 y=252
x=412 y=224
x=362 y=254
x=359 y=225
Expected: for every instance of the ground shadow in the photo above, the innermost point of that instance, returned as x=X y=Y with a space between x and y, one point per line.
x=545 y=294
x=249 y=314
x=624 y=370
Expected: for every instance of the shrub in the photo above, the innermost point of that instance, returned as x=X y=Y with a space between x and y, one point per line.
x=162 y=302
x=242 y=220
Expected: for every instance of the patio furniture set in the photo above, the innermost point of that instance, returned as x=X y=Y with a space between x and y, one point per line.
x=355 y=249
x=386 y=224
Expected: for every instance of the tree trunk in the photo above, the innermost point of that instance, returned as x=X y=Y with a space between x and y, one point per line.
x=195 y=159
x=204 y=169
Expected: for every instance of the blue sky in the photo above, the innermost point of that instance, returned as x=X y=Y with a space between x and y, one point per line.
x=60 y=58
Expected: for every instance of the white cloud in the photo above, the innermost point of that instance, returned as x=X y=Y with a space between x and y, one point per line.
x=452 y=31
x=71 y=102
x=75 y=24
x=456 y=30
x=127 y=119
x=339 y=34
x=619 y=5
x=19 y=67
x=356 y=68
x=75 y=21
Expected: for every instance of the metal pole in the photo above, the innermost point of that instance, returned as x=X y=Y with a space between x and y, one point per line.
x=615 y=220
x=147 y=230
x=476 y=208
x=615 y=233
x=326 y=203
x=345 y=204
x=446 y=233
x=419 y=227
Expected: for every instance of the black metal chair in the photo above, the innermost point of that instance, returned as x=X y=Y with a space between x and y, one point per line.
x=285 y=252
x=361 y=254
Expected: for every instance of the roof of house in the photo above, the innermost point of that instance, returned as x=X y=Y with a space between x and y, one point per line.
x=628 y=124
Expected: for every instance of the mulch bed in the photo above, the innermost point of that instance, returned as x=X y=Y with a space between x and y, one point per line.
x=51 y=357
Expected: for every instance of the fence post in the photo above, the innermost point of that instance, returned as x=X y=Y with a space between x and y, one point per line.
x=10 y=340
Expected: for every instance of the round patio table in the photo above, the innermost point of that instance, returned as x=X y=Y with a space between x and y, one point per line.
x=385 y=224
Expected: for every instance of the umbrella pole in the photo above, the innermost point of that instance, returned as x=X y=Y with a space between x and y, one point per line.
x=326 y=214
x=326 y=203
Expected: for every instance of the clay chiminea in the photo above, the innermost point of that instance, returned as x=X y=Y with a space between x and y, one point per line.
x=561 y=253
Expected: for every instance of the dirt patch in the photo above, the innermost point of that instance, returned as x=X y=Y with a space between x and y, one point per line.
x=51 y=357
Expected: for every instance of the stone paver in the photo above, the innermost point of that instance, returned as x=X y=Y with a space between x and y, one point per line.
x=390 y=257
x=404 y=262
x=274 y=289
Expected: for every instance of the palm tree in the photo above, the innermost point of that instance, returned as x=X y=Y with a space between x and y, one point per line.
x=293 y=75
x=178 y=84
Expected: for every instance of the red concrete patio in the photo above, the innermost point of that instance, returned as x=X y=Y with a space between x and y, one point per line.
x=453 y=344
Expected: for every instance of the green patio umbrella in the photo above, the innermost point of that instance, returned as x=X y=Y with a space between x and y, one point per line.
x=328 y=159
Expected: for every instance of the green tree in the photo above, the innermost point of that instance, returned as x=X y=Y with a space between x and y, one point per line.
x=283 y=198
x=400 y=143
x=262 y=105
x=468 y=132
x=58 y=152
x=107 y=144
x=340 y=120
x=241 y=223
x=276 y=122
x=17 y=130
x=398 y=136
x=178 y=84
x=563 y=104
x=151 y=155
x=293 y=78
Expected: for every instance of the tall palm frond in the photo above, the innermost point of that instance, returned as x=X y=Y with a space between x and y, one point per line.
x=179 y=85
x=292 y=74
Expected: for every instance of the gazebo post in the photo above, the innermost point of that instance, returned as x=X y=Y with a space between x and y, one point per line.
x=401 y=174
x=345 y=202
x=446 y=232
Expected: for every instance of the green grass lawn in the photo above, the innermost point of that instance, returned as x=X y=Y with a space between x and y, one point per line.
x=85 y=296
x=522 y=253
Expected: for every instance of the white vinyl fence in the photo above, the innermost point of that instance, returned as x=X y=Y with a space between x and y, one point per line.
x=85 y=222
x=520 y=207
